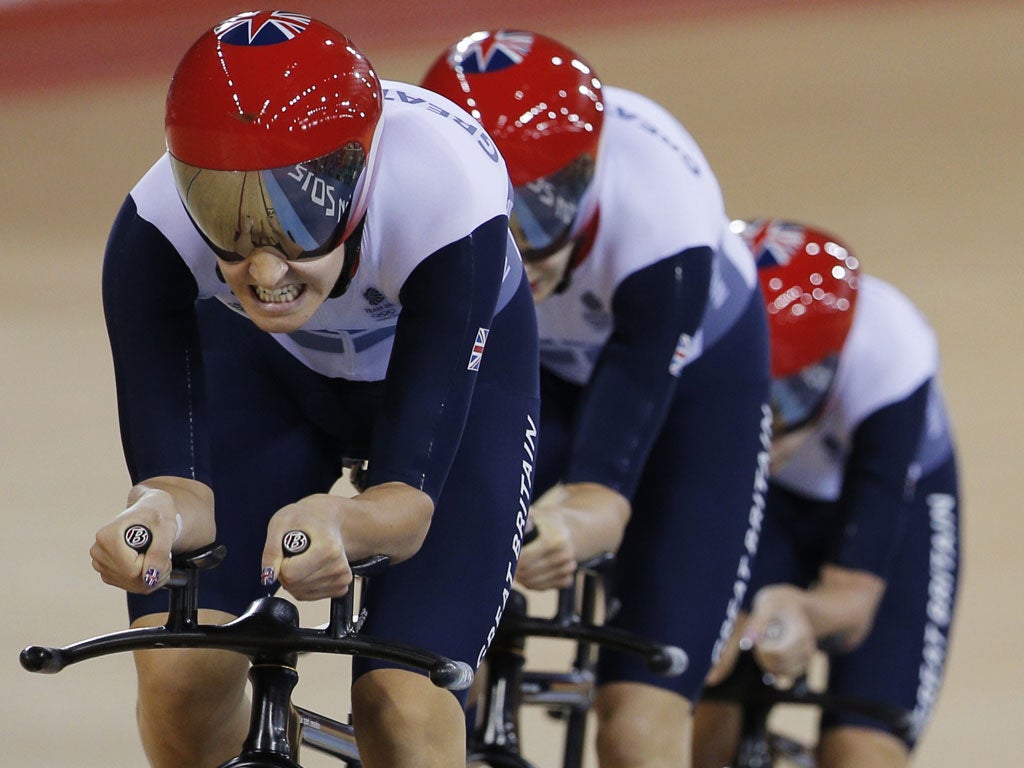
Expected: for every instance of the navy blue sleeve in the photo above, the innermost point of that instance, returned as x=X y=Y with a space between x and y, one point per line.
x=877 y=486
x=149 y=306
x=629 y=394
x=446 y=301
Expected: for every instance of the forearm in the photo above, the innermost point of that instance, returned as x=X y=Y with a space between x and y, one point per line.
x=391 y=518
x=191 y=503
x=594 y=514
x=842 y=605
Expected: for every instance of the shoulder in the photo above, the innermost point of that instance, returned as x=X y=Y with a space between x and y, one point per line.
x=657 y=188
x=890 y=352
x=156 y=202
x=438 y=178
x=426 y=133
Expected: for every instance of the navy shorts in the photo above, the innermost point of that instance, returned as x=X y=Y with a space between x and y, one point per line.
x=685 y=556
x=279 y=432
x=902 y=661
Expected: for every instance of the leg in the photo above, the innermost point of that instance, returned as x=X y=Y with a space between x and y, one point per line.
x=640 y=725
x=902 y=661
x=854 y=747
x=192 y=709
x=450 y=596
x=716 y=733
x=430 y=720
x=683 y=567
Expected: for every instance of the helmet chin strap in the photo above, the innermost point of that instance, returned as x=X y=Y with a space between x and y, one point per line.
x=353 y=248
x=580 y=251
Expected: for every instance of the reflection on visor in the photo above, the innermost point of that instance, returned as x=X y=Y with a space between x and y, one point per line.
x=301 y=209
x=546 y=209
x=797 y=399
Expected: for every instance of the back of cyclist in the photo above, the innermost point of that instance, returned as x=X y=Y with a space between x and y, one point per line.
x=860 y=547
x=654 y=360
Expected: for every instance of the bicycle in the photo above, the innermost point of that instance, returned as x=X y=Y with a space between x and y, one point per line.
x=269 y=633
x=566 y=694
x=761 y=745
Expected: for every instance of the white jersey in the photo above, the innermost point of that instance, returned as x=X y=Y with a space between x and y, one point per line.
x=437 y=173
x=656 y=197
x=891 y=351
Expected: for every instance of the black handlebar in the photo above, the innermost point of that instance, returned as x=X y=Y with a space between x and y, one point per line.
x=268 y=630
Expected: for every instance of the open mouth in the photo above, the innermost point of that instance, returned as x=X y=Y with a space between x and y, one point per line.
x=282 y=295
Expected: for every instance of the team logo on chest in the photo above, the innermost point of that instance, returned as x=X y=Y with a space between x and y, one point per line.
x=379 y=307
x=594 y=312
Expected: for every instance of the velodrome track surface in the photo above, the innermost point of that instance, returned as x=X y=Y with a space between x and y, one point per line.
x=897 y=125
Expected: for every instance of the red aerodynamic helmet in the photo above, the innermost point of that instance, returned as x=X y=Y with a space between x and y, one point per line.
x=809 y=279
x=541 y=103
x=271 y=125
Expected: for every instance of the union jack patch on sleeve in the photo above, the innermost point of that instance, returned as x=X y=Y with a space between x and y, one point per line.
x=687 y=350
x=478 y=349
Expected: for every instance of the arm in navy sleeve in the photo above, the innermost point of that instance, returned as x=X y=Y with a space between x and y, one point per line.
x=446 y=300
x=876 y=495
x=631 y=389
x=148 y=303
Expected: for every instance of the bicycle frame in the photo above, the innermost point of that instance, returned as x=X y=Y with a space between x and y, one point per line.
x=567 y=695
x=754 y=690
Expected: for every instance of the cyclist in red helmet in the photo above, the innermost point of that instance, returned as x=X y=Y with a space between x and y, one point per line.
x=319 y=269
x=860 y=546
x=654 y=375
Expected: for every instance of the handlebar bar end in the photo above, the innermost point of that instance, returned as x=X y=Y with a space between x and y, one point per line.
x=670 y=661
x=36 y=658
x=452 y=675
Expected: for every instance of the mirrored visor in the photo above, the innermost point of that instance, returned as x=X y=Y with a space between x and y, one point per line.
x=302 y=210
x=797 y=400
x=545 y=209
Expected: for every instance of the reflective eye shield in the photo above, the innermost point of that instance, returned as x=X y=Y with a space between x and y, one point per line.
x=797 y=400
x=546 y=209
x=304 y=210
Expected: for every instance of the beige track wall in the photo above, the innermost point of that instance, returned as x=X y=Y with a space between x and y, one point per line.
x=896 y=125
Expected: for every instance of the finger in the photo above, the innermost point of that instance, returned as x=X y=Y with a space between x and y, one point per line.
x=273 y=557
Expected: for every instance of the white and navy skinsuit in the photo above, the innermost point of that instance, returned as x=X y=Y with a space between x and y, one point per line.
x=426 y=365
x=874 y=488
x=655 y=383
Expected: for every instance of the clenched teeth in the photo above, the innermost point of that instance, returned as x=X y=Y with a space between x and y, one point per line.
x=278 y=295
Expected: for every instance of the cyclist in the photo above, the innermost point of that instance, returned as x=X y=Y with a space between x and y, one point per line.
x=859 y=550
x=312 y=272
x=654 y=377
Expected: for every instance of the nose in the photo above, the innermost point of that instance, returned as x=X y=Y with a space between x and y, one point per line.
x=267 y=267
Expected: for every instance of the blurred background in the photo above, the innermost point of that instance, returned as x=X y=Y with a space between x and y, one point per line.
x=897 y=125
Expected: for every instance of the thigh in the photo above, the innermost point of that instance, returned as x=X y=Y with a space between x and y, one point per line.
x=449 y=596
x=266 y=450
x=685 y=560
x=902 y=661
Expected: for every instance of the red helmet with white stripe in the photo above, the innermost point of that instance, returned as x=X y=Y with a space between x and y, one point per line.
x=542 y=105
x=271 y=125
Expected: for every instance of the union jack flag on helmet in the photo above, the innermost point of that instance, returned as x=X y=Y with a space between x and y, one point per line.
x=261 y=28
x=489 y=53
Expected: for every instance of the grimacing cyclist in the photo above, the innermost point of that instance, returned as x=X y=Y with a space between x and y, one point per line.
x=320 y=267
